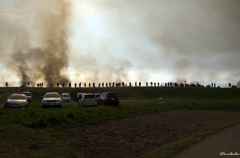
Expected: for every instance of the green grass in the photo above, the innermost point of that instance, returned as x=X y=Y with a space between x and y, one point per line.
x=73 y=115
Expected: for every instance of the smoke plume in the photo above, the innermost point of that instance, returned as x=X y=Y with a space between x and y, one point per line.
x=39 y=39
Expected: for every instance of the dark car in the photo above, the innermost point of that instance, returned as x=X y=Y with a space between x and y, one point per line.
x=108 y=98
x=78 y=96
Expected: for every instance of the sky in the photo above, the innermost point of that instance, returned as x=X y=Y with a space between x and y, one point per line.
x=56 y=41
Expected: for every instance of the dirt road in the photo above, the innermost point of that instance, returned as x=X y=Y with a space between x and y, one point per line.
x=134 y=136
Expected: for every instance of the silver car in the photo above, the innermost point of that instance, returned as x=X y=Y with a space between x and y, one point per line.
x=51 y=99
x=16 y=101
x=87 y=99
x=66 y=97
x=29 y=96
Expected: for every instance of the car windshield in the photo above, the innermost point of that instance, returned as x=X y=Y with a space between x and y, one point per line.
x=98 y=95
x=89 y=96
x=28 y=94
x=112 y=95
x=66 y=95
x=52 y=96
x=17 y=97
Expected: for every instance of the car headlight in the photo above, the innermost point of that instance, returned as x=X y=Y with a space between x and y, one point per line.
x=23 y=103
x=44 y=101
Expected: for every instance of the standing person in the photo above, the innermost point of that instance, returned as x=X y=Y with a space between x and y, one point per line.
x=69 y=85
x=57 y=84
x=62 y=85
x=79 y=84
x=42 y=84
x=75 y=85
x=6 y=84
x=21 y=88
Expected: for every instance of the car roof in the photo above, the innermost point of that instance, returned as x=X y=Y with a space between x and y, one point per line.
x=26 y=92
x=18 y=94
x=52 y=93
x=88 y=94
x=65 y=93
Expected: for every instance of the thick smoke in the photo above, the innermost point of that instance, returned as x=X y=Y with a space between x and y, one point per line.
x=194 y=41
x=159 y=34
x=38 y=41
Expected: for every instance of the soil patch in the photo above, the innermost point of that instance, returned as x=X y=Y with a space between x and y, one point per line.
x=134 y=136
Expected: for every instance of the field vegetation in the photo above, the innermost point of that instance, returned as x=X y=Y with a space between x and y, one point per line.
x=42 y=124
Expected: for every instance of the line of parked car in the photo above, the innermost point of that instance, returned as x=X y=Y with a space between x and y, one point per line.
x=54 y=99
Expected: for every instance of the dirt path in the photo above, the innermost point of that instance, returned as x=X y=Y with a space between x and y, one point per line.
x=218 y=145
x=134 y=136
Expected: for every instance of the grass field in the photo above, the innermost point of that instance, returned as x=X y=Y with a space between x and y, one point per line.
x=133 y=101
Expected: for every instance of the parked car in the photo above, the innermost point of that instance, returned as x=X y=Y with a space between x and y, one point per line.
x=51 y=99
x=66 y=97
x=17 y=101
x=88 y=99
x=97 y=95
x=29 y=96
x=108 y=98
x=78 y=96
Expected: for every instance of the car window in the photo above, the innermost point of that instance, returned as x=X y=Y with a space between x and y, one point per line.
x=103 y=95
x=52 y=96
x=112 y=95
x=66 y=95
x=28 y=94
x=17 y=97
x=89 y=96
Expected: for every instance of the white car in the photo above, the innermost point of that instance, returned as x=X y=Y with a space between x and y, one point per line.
x=16 y=101
x=29 y=96
x=87 y=99
x=66 y=97
x=51 y=99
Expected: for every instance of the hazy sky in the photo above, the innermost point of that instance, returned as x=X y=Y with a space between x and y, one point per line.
x=125 y=40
